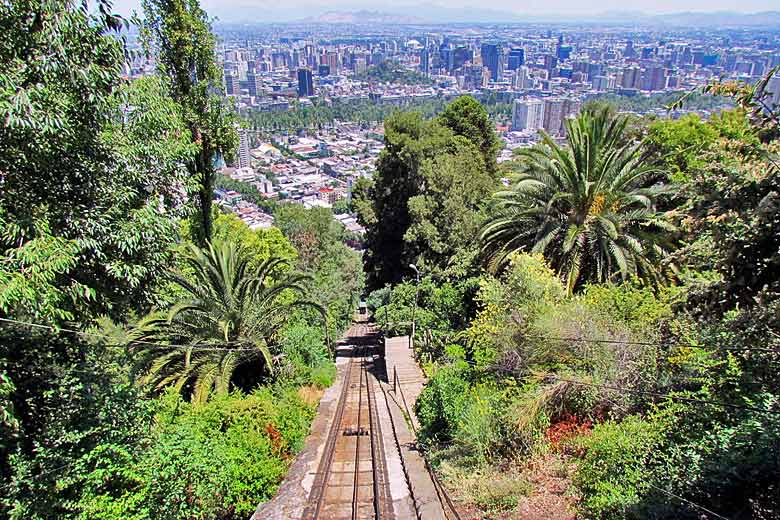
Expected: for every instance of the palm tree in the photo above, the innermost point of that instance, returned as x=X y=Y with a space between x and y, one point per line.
x=226 y=321
x=588 y=207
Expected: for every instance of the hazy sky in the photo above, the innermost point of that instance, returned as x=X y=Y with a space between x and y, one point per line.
x=237 y=10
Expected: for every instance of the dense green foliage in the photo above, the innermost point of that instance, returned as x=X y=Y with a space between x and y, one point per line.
x=228 y=320
x=431 y=183
x=390 y=71
x=590 y=207
x=659 y=392
x=178 y=35
x=99 y=178
x=368 y=112
x=664 y=398
x=365 y=112
x=335 y=269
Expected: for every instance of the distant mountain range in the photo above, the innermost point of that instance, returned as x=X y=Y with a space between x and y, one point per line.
x=363 y=17
x=429 y=14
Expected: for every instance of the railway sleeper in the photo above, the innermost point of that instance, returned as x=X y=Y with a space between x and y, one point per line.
x=355 y=432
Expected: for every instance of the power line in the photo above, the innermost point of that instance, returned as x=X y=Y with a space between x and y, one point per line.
x=686 y=501
x=647 y=343
x=647 y=392
x=39 y=475
x=160 y=346
x=664 y=395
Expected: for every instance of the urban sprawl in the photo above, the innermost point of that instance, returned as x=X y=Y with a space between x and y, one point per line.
x=535 y=76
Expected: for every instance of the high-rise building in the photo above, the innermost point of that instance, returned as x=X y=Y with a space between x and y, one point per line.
x=562 y=52
x=654 y=78
x=632 y=77
x=515 y=59
x=492 y=59
x=475 y=77
x=331 y=59
x=603 y=83
x=595 y=69
x=425 y=62
x=446 y=56
x=251 y=82
x=231 y=84
x=629 y=52
x=550 y=62
x=305 y=83
x=528 y=114
x=243 y=148
x=521 y=79
x=360 y=65
x=553 y=115
x=461 y=55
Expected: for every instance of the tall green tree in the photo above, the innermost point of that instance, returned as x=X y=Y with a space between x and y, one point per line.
x=588 y=207
x=178 y=34
x=467 y=117
x=409 y=141
x=431 y=180
x=227 y=321
x=90 y=182
x=445 y=217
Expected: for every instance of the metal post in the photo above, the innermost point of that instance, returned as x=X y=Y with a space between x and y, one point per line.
x=414 y=306
x=395 y=379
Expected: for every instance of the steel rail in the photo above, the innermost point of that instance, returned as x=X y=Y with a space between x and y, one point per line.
x=317 y=494
x=356 y=479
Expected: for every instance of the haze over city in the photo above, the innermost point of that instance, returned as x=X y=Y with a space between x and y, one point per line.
x=258 y=11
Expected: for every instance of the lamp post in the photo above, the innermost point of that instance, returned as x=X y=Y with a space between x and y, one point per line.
x=414 y=306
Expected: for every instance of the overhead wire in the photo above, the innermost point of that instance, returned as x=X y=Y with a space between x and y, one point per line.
x=161 y=346
x=688 y=502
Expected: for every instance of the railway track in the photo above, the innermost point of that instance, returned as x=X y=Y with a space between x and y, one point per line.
x=351 y=480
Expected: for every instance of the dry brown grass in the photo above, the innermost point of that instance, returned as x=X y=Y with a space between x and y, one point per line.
x=310 y=394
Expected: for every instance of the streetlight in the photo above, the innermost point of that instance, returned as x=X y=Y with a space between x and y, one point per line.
x=414 y=307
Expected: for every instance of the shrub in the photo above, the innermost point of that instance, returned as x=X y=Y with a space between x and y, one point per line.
x=632 y=306
x=210 y=462
x=614 y=474
x=441 y=404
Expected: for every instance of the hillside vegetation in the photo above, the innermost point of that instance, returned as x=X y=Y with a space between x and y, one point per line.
x=601 y=330
x=158 y=359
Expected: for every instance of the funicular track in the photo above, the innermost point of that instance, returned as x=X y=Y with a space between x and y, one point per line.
x=351 y=480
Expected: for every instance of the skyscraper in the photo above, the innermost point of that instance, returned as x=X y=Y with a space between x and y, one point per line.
x=243 y=148
x=251 y=81
x=629 y=52
x=632 y=77
x=562 y=52
x=492 y=59
x=515 y=59
x=475 y=77
x=231 y=84
x=553 y=115
x=528 y=114
x=654 y=78
x=305 y=83
x=425 y=62
x=520 y=80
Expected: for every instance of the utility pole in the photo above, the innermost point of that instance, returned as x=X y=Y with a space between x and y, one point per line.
x=414 y=306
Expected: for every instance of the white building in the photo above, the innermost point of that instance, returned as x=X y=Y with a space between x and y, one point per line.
x=528 y=114
x=243 y=148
